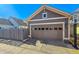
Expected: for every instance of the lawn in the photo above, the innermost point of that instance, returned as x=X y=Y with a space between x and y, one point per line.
x=72 y=38
x=77 y=30
x=72 y=41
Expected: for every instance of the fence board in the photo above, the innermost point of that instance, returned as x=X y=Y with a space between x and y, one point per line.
x=17 y=34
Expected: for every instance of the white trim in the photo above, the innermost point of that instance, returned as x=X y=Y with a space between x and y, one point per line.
x=48 y=19
x=49 y=23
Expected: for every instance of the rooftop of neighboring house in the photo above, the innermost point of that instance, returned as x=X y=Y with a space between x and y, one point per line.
x=4 y=21
x=76 y=11
x=19 y=21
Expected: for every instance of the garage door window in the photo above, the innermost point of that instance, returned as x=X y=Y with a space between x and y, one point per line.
x=55 y=28
x=46 y=28
x=39 y=28
x=42 y=28
x=35 y=28
x=50 y=28
x=60 y=28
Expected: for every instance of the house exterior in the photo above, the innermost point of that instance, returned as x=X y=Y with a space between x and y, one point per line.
x=75 y=15
x=49 y=24
x=18 y=23
x=13 y=29
x=12 y=22
x=5 y=24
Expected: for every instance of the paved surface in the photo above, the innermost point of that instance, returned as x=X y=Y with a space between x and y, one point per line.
x=17 y=47
x=11 y=42
x=45 y=49
x=9 y=49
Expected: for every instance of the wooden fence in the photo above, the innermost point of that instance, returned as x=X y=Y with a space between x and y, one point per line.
x=16 y=34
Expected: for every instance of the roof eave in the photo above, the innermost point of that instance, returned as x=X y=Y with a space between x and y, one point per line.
x=52 y=9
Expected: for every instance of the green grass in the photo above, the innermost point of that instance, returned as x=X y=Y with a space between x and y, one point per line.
x=72 y=41
x=77 y=30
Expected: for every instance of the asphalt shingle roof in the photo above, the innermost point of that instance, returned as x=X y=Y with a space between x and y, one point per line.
x=19 y=21
x=4 y=21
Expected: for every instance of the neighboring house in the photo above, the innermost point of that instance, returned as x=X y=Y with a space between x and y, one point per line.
x=5 y=23
x=12 y=22
x=49 y=23
x=75 y=15
x=18 y=23
x=12 y=29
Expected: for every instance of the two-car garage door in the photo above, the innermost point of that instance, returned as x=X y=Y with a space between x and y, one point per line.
x=49 y=31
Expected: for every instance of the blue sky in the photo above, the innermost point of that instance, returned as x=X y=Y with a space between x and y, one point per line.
x=23 y=11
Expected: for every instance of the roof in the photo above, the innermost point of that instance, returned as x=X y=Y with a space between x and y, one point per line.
x=4 y=21
x=51 y=9
x=19 y=21
x=76 y=11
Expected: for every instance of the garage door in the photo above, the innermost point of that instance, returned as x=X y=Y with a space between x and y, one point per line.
x=52 y=31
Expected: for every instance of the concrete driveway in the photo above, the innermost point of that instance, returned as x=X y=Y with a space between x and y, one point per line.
x=30 y=49
x=9 y=49
x=40 y=48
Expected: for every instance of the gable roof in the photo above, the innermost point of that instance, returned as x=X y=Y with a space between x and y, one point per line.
x=51 y=9
x=76 y=11
x=19 y=21
x=5 y=22
x=8 y=22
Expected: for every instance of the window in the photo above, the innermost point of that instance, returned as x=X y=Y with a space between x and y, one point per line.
x=0 y=27
x=42 y=28
x=35 y=28
x=44 y=15
x=50 y=28
x=60 y=28
x=55 y=28
x=46 y=28
x=39 y=28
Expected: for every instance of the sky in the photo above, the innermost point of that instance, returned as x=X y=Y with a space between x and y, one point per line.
x=23 y=11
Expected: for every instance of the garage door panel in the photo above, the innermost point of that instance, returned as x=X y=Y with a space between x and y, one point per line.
x=52 y=33
x=60 y=31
